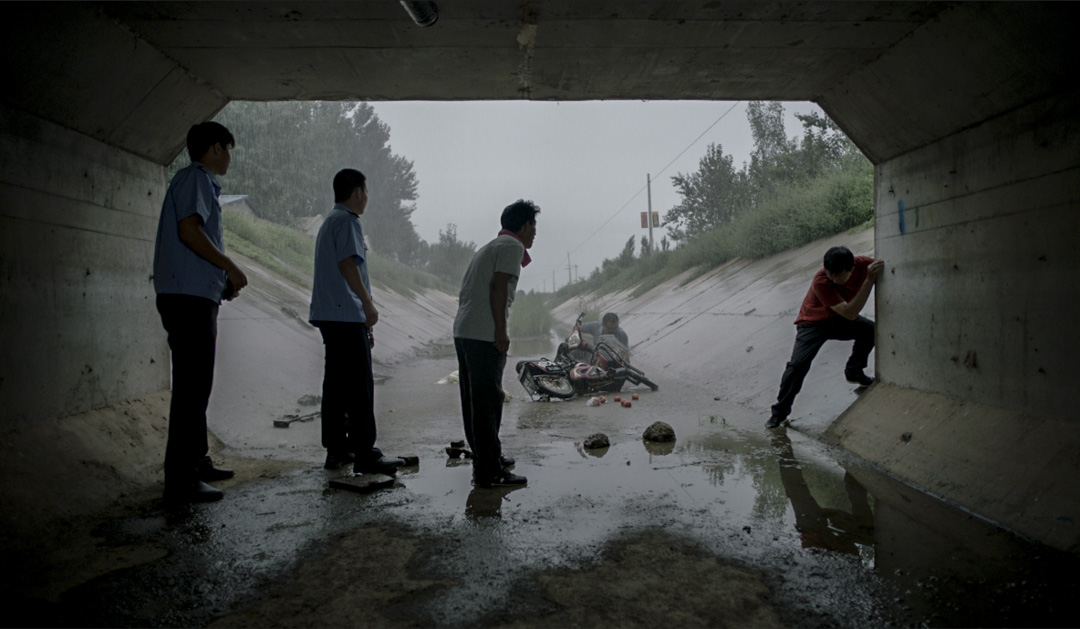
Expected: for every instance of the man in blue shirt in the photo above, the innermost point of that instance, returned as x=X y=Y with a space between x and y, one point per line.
x=342 y=309
x=191 y=277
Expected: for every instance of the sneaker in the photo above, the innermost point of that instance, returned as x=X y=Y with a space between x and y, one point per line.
x=337 y=458
x=504 y=478
x=857 y=376
x=774 y=422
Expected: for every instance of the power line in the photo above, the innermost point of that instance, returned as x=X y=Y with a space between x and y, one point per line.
x=660 y=172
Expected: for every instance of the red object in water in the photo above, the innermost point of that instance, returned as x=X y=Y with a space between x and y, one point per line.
x=634 y=396
x=618 y=399
x=626 y=403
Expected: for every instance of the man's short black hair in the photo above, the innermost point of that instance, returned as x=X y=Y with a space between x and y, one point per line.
x=517 y=214
x=838 y=260
x=346 y=181
x=202 y=136
x=610 y=318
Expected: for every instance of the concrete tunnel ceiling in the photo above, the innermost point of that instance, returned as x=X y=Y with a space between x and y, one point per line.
x=894 y=75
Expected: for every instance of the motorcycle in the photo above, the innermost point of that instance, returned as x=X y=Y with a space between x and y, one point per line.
x=605 y=368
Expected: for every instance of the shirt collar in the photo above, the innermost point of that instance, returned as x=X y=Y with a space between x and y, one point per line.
x=525 y=257
x=206 y=169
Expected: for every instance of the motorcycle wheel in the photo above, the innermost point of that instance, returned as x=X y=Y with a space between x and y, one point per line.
x=555 y=386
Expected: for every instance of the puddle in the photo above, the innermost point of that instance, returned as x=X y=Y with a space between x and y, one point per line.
x=836 y=543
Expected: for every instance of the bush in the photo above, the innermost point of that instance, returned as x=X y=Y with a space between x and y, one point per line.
x=291 y=254
x=530 y=316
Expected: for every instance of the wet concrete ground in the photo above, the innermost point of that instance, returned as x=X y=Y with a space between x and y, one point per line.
x=731 y=525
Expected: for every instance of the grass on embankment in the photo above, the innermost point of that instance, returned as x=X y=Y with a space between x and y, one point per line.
x=291 y=255
x=530 y=315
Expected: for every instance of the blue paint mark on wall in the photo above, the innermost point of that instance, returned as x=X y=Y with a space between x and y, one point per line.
x=900 y=213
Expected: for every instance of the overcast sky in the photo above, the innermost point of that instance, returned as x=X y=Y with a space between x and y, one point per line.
x=583 y=163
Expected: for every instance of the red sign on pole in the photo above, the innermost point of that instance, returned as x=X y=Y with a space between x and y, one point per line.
x=644 y=220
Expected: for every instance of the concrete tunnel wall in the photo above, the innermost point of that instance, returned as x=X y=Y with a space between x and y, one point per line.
x=77 y=318
x=79 y=204
x=982 y=152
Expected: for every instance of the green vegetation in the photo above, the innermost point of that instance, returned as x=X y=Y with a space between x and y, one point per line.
x=291 y=254
x=285 y=251
x=793 y=192
x=530 y=315
x=285 y=158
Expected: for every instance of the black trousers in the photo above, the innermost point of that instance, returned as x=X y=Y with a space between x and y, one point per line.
x=480 y=371
x=809 y=337
x=348 y=394
x=191 y=323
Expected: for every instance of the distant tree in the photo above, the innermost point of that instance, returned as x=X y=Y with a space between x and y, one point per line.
x=286 y=156
x=711 y=197
x=774 y=161
x=627 y=254
x=825 y=147
x=449 y=257
x=716 y=193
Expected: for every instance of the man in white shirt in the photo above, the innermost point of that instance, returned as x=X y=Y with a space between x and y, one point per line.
x=481 y=340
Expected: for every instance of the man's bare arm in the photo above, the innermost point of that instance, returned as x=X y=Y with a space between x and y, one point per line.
x=351 y=271
x=851 y=309
x=191 y=234
x=500 y=290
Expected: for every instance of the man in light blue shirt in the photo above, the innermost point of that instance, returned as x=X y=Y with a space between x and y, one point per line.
x=191 y=277
x=342 y=309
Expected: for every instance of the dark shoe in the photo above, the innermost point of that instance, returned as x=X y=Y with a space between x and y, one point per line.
x=506 y=461
x=196 y=491
x=209 y=473
x=337 y=458
x=383 y=465
x=505 y=478
x=774 y=422
x=857 y=376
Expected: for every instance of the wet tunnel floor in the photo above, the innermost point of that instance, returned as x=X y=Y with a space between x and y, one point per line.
x=731 y=525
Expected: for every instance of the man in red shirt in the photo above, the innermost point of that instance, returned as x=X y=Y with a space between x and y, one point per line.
x=830 y=310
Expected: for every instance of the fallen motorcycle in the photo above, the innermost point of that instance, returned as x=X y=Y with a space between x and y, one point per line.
x=564 y=377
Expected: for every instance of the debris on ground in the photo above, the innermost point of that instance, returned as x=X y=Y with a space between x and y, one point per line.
x=288 y=419
x=659 y=432
x=596 y=440
x=457 y=450
x=450 y=378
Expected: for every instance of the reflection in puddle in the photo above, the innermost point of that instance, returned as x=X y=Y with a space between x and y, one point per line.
x=822 y=527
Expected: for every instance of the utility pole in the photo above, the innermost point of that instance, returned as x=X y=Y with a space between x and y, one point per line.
x=553 y=280
x=648 y=187
x=569 y=278
x=576 y=277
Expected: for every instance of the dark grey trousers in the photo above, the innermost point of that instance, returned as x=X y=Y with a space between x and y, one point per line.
x=480 y=371
x=809 y=338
